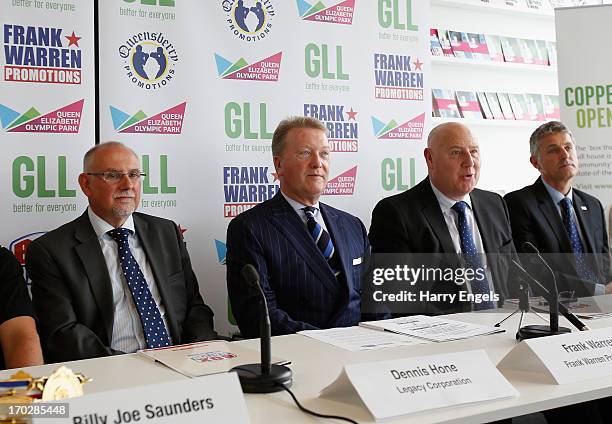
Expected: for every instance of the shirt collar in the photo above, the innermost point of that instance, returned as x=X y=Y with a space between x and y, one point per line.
x=555 y=194
x=446 y=203
x=297 y=206
x=101 y=227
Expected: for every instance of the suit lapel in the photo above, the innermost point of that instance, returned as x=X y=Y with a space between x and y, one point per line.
x=483 y=221
x=583 y=215
x=92 y=259
x=335 y=228
x=288 y=223
x=155 y=259
x=433 y=214
x=551 y=215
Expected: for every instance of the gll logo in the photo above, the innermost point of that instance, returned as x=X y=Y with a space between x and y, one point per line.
x=409 y=130
x=249 y=20
x=149 y=60
x=340 y=13
x=169 y=121
x=343 y=184
x=65 y=120
x=267 y=69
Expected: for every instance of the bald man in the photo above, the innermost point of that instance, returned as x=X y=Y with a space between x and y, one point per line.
x=446 y=214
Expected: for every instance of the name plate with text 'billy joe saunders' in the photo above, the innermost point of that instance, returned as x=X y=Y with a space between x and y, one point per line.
x=212 y=399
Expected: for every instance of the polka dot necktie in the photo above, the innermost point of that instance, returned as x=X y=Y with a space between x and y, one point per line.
x=152 y=324
x=582 y=268
x=321 y=238
x=471 y=255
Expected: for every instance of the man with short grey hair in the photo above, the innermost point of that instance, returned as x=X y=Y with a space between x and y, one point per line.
x=114 y=280
x=559 y=219
x=309 y=255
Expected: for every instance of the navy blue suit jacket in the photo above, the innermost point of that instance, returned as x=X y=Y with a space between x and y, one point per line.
x=300 y=287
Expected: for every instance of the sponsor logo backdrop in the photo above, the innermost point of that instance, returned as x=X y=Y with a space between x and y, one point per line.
x=196 y=89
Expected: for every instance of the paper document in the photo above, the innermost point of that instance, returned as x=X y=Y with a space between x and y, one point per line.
x=435 y=329
x=361 y=338
x=197 y=359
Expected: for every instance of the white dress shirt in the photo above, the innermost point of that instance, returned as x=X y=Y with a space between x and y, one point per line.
x=299 y=209
x=127 y=327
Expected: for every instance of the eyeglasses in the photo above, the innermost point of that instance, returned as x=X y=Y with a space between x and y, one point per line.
x=116 y=176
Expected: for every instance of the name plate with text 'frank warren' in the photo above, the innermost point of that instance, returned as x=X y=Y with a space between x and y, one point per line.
x=564 y=358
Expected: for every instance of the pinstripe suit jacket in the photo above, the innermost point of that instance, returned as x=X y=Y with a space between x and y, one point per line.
x=300 y=287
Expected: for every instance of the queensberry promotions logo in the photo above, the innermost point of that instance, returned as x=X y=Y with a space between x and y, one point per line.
x=170 y=121
x=343 y=184
x=343 y=134
x=221 y=249
x=340 y=13
x=409 y=130
x=41 y=55
x=398 y=77
x=245 y=187
x=267 y=69
x=149 y=59
x=65 y=120
x=249 y=20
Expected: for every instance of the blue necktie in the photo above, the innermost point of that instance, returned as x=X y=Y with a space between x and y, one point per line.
x=582 y=268
x=471 y=255
x=152 y=324
x=321 y=238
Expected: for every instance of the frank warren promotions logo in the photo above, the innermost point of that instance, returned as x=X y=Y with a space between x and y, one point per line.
x=343 y=184
x=41 y=55
x=398 y=77
x=409 y=130
x=341 y=123
x=245 y=187
x=249 y=20
x=169 y=121
x=267 y=69
x=149 y=59
x=340 y=13
x=65 y=120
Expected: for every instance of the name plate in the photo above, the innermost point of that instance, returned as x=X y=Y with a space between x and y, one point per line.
x=564 y=358
x=212 y=399
x=409 y=385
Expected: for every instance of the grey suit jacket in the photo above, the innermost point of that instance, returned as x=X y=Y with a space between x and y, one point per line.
x=72 y=293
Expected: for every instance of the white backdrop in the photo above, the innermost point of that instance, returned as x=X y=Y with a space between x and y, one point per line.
x=197 y=88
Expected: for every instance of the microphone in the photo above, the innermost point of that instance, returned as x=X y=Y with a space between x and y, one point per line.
x=264 y=377
x=573 y=319
x=533 y=331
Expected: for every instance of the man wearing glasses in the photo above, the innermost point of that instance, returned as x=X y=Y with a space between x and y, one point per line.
x=112 y=280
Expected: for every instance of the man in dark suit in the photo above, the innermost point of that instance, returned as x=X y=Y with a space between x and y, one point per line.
x=309 y=255
x=18 y=336
x=446 y=215
x=561 y=221
x=114 y=281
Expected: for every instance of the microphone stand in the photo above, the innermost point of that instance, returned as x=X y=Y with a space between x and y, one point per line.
x=264 y=377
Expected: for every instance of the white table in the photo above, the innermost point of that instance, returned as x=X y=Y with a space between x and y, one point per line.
x=316 y=364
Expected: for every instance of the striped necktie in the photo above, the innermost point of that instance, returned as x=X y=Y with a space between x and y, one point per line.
x=152 y=324
x=321 y=238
